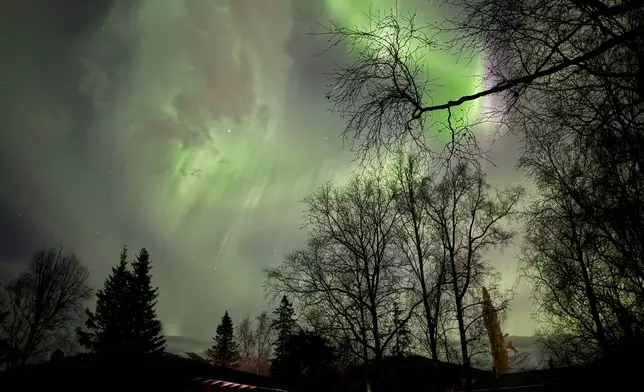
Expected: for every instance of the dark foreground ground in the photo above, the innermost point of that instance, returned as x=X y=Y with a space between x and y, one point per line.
x=153 y=373
x=172 y=373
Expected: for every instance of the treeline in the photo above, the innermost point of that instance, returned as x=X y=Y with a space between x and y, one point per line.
x=247 y=347
x=395 y=262
x=394 y=266
x=278 y=346
x=43 y=308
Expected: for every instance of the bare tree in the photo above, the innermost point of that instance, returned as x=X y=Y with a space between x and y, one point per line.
x=246 y=341
x=562 y=349
x=43 y=302
x=420 y=245
x=470 y=219
x=560 y=262
x=530 y=46
x=582 y=130
x=350 y=263
x=323 y=321
x=263 y=339
x=582 y=251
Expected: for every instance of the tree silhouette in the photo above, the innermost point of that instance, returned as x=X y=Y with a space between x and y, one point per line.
x=402 y=342
x=41 y=303
x=125 y=321
x=284 y=326
x=246 y=341
x=110 y=325
x=350 y=264
x=420 y=246
x=225 y=351
x=308 y=361
x=470 y=219
x=582 y=251
x=263 y=339
x=148 y=330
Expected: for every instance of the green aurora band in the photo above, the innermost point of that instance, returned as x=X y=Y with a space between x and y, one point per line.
x=457 y=75
x=215 y=151
x=217 y=116
x=205 y=123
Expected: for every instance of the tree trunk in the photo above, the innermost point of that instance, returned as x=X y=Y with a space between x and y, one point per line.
x=376 y=384
x=463 y=338
x=461 y=323
x=589 y=291
x=431 y=328
x=363 y=332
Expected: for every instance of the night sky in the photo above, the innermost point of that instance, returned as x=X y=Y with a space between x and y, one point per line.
x=189 y=127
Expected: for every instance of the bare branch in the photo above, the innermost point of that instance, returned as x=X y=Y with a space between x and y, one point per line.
x=43 y=301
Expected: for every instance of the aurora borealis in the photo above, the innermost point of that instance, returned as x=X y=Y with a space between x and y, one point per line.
x=190 y=127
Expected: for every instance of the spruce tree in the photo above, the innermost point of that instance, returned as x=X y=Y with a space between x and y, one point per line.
x=124 y=321
x=109 y=326
x=285 y=326
x=224 y=352
x=146 y=328
x=309 y=361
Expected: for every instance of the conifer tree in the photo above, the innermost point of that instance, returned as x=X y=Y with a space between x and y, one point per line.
x=285 y=326
x=124 y=320
x=109 y=326
x=224 y=352
x=146 y=327
x=308 y=362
